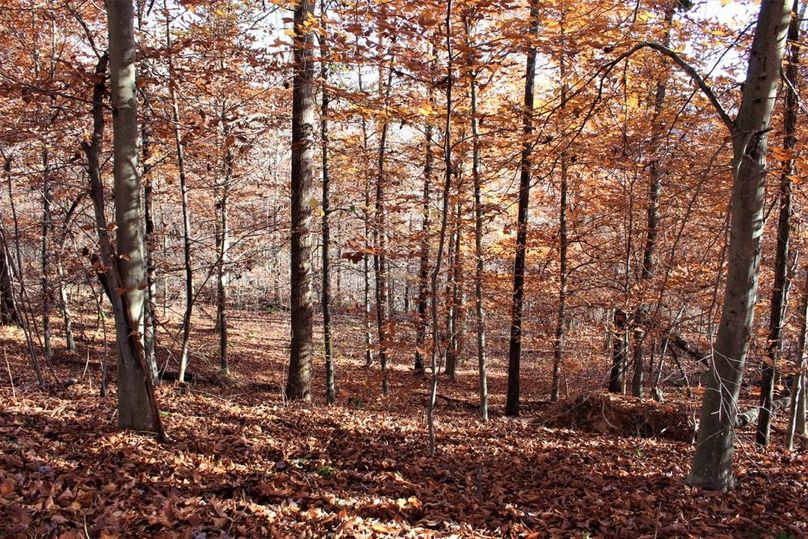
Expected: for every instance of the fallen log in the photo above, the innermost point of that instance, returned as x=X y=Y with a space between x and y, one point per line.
x=750 y=416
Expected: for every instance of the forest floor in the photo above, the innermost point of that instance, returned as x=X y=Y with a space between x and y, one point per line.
x=243 y=463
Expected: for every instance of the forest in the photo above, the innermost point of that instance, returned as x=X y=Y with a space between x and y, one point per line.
x=403 y=268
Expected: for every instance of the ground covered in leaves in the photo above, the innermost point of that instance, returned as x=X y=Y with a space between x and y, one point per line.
x=243 y=463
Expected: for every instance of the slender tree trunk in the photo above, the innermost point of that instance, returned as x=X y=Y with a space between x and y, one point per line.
x=47 y=225
x=137 y=405
x=798 y=386
x=712 y=462
x=561 y=322
x=150 y=244
x=9 y=311
x=423 y=259
x=451 y=358
x=186 y=212
x=368 y=325
x=326 y=286
x=447 y=185
x=779 y=299
x=298 y=385
x=479 y=308
x=380 y=256
x=70 y=341
x=655 y=170
x=515 y=346
x=223 y=257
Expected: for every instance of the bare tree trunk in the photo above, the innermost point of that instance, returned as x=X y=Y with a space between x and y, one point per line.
x=451 y=358
x=137 y=405
x=798 y=386
x=70 y=341
x=423 y=259
x=223 y=257
x=654 y=168
x=298 y=385
x=515 y=346
x=479 y=308
x=561 y=322
x=186 y=212
x=380 y=256
x=9 y=307
x=326 y=269
x=47 y=225
x=368 y=326
x=618 y=351
x=779 y=299
x=447 y=185
x=712 y=462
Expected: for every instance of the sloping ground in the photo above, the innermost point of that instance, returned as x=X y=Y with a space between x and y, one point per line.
x=243 y=464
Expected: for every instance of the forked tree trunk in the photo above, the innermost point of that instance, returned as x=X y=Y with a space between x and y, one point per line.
x=515 y=346
x=782 y=283
x=712 y=462
x=137 y=405
x=298 y=385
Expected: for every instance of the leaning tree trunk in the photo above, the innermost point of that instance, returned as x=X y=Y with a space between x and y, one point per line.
x=779 y=300
x=330 y=393
x=712 y=462
x=137 y=405
x=515 y=346
x=298 y=385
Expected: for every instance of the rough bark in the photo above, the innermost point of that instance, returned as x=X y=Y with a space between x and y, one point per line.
x=712 y=462
x=423 y=258
x=298 y=385
x=515 y=341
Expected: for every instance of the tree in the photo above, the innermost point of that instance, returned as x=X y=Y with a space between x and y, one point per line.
x=515 y=343
x=298 y=385
x=137 y=405
x=712 y=462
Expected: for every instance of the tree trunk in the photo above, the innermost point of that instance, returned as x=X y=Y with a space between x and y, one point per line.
x=515 y=345
x=558 y=342
x=451 y=358
x=47 y=194
x=223 y=257
x=618 y=351
x=779 y=299
x=137 y=405
x=712 y=462
x=186 y=212
x=368 y=324
x=9 y=307
x=70 y=341
x=479 y=308
x=380 y=254
x=298 y=385
x=423 y=259
x=326 y=287
x=447 y=185
x=657 y=133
